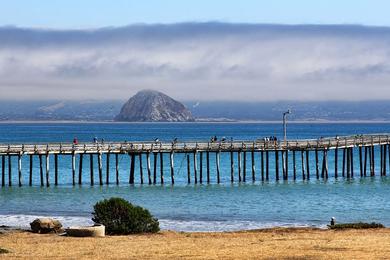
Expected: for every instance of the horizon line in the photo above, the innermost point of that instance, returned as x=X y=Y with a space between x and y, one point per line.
x=216 y=22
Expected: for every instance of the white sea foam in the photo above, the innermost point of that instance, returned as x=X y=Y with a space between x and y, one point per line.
x=22 y=221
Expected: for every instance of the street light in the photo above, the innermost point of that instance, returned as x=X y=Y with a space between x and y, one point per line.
x=285 y=124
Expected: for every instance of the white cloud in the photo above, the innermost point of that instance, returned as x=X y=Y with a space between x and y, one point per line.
x=198 y=61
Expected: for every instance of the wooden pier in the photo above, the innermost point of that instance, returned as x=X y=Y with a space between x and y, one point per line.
x=262 y=152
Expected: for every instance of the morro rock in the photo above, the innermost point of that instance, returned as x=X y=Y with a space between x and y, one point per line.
x=153 y=106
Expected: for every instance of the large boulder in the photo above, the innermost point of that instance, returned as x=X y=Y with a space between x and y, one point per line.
x=153 y=106
x=46 y=225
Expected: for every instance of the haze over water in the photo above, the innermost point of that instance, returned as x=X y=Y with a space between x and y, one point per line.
x=197 y=207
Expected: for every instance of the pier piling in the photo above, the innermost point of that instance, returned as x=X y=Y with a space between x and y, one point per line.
x=56 y=169
x=81 y=168
x=188 y=169
x=91 y=169
x=172 y=167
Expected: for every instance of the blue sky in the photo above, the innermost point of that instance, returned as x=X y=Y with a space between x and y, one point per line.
x=101 y=13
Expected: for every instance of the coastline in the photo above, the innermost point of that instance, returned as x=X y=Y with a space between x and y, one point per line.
x=275 y=243
x=198 y=122
x=13 y=222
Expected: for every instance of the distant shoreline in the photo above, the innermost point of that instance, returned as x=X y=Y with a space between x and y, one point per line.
x=199 y=122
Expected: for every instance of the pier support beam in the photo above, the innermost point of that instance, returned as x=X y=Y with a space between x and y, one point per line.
x=200 y=167
x=100 y=164
x=47 y=170
x=381 y=160
x=20 y=169
x=336 y=158
x=9 y=171
x=253 y=166
x=171 y=159
x=31 y=170
x=365 y=160
x=303 y=165
x=361 y=160
x=56 y=169
x=373 y=160
x=91 y=169
x=283 y=166
x=231 y=166
x=343 y=171
x=239 y=165
x=244 y=168
x=208 y=166
x=262 y=165
x=148 y=166
x=348 y=163
x=351 y=152
x=41 y=169
x=326 y=164
x=277 y=165
x=286 y=164
x=3 y=170
x=141 y=169
x=267 y=165
x=384 y=159
x=162 y=168
x=317 y=164
x=132 y=168
x=154 y=168
x=195 y=168
x=81 y=169
x=73 y=168
x=117 y=168
x=188 y=169
x=308 y=164
x=294 y=166
x=107 y=168
x=217 y=156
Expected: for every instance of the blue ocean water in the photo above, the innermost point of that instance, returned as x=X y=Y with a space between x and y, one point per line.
x=200 y=207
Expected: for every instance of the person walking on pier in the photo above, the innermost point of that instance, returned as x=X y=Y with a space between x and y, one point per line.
x=75 y=141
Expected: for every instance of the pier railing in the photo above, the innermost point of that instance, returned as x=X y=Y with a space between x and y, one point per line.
x=190 y=146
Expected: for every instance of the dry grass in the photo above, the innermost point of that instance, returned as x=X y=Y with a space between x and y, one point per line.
x=277 y=243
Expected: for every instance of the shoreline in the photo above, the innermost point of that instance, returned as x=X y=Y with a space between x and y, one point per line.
x=274 y=243
x=21 y=222
x=199 y=122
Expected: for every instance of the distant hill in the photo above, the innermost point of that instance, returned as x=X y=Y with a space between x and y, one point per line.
x=52 y=110
x=301 y=110
x=153 y=106
x=202 y=111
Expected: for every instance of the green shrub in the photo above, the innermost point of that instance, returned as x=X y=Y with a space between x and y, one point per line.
x=120 y=217
x=359 y=225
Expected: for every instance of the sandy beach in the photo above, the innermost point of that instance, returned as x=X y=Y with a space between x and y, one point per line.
x=276 y=243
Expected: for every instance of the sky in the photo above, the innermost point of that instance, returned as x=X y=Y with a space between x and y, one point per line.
x=101 y=13
x=195 y=50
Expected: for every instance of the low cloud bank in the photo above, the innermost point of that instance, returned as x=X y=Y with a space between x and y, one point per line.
x=198 y=61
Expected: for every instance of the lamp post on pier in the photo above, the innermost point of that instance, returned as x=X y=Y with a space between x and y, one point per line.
x=285 y=124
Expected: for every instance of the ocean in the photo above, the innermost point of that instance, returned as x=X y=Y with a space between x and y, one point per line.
x=200 y=207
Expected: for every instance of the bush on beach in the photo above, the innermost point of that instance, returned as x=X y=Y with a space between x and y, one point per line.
x=120 y=217
x=359 y=225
